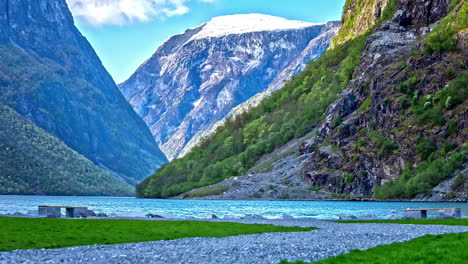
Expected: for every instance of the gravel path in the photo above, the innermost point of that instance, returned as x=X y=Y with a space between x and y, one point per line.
x=330 y=240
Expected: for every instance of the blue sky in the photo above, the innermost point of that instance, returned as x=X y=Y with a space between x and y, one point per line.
x=125 y=33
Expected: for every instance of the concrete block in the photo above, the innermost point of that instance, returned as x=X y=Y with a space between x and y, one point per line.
x=415 y=215
x=446 y=214
x=42 y=211
x=77 y=212
x=81 y=212
x=53 y=212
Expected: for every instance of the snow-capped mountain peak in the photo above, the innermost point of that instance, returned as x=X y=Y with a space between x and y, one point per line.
x=197 y=77
x=245 y=23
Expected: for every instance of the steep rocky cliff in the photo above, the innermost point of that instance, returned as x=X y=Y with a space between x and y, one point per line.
x=50 y=74
x=196 y=78
x=358 y=17
x=396 y=124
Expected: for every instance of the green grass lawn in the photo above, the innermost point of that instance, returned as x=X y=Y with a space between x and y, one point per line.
x=28 y=233
x=457 y=222
x=449 y=248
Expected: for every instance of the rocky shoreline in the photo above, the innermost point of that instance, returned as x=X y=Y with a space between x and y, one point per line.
x=393 y=215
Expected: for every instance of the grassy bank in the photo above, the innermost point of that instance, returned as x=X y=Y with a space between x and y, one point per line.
x=455 y=222
x=26 y=233
x=449 y=248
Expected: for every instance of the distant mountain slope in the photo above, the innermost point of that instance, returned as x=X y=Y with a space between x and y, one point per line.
x=34 y=162
x=311 y=52
x=50 y=74
x=196 y=78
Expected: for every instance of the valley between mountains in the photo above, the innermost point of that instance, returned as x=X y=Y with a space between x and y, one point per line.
x=246 y=106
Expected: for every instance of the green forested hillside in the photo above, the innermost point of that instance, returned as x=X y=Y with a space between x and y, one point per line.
x=35 y=162
x=289 y=113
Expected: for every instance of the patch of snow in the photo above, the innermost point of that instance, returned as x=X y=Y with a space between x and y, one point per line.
x=251 y=65
x=245 y=23
x=197 y=102
x=283 y=44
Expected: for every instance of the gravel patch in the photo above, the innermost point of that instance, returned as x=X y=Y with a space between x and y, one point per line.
x=330 y=240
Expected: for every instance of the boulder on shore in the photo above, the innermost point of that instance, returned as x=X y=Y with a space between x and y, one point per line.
x=253 y=217
x=212 y=216
x=230 y=217
x=392 y=217
x=129 y=215
x=367 y=217
x=90 y=213
x=347 y=217
x=159 y=215
x=287 y=217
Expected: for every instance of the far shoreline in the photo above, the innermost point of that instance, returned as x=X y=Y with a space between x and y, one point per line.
x=257 y=200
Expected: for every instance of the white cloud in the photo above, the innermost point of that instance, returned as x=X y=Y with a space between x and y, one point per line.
x=120 y=12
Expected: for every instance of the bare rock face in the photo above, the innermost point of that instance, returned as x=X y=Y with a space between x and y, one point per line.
x=356 y=170
x=51 y=75
x=196 y=78
x=358 y=17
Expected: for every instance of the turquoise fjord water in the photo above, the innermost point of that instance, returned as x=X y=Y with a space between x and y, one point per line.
x=198 y=208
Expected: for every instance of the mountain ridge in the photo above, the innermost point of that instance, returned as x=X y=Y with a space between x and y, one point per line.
x=203 y=78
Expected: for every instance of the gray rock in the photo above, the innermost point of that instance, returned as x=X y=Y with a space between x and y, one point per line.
x=287 y=217
x=102 y=215
x=212 y=216
x=367 y=217
x=159 y=215
x=252 y=217
x=230 y=217
x=90 y=213
x=18 y=214
x=347 y=217
x=392 y=217
x=129 y=215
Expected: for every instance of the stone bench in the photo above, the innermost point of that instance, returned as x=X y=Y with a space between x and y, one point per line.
x=442 y=213
x=55 y=211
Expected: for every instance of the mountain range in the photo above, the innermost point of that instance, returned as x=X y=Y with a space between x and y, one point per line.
x=196 y=78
